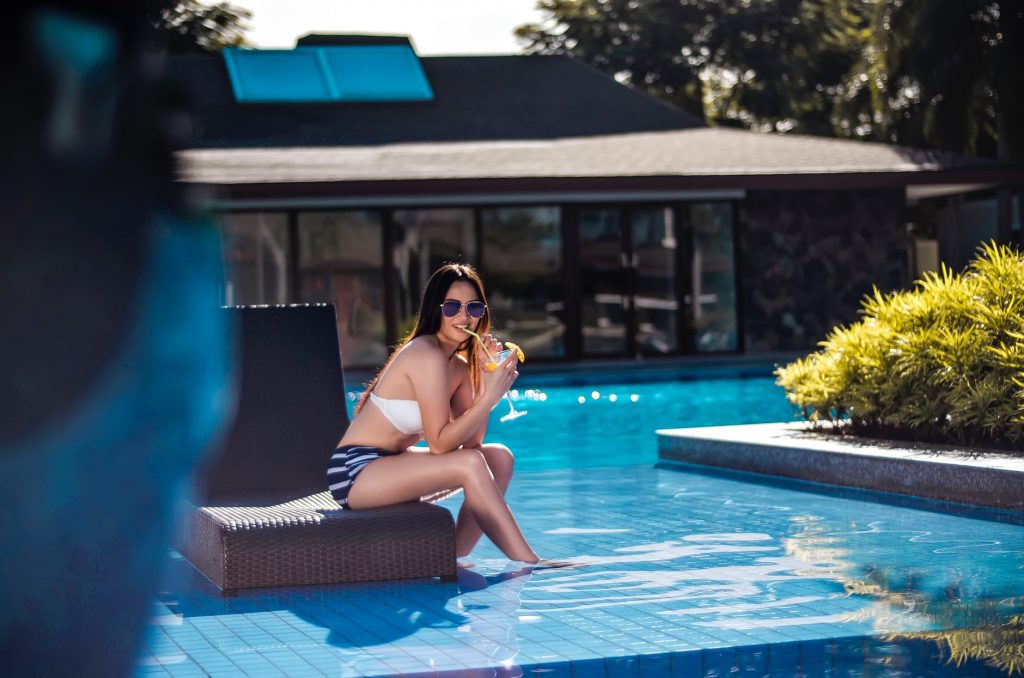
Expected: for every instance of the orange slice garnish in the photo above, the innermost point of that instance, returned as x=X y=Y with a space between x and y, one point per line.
x=519 y=352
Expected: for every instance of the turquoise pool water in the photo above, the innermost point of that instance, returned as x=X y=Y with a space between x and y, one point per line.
x=683 y=572
x=609 y=423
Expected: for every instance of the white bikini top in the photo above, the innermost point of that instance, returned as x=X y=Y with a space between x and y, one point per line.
x=403 y=414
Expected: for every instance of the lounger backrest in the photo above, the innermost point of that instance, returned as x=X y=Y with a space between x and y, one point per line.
x=291 y=405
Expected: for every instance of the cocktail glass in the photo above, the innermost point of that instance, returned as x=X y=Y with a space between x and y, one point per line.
x=513 y=413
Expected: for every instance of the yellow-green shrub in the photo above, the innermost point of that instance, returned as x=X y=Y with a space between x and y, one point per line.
x=942 y=362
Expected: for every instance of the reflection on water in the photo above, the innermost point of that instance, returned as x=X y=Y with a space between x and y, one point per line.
x=719 y=590
x=881 y=588
x=954 y=601
x=894 y=599
x=894 y=575
x=1001 y=646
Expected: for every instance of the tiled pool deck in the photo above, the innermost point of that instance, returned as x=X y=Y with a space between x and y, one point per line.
x=688 y=574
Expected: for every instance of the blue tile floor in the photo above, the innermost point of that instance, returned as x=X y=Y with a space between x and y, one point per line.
x=683 y=573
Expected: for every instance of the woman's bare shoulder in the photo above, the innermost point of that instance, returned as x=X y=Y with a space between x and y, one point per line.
x=421 y=361
x=420 y=349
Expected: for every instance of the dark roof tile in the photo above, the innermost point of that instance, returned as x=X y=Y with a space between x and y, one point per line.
x=476 y=98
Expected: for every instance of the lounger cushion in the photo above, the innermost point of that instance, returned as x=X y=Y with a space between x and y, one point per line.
x=312 y=541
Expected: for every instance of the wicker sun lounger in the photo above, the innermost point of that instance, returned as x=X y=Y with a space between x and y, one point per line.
x=266 y=518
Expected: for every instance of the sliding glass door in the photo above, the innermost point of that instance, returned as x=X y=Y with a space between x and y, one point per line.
x=522 y=264
x=340 y=262
x=652 y=258
x=423 y=240
x=628 y=281
x=604 y=297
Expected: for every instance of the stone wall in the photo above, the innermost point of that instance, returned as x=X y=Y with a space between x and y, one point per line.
x=807 y=258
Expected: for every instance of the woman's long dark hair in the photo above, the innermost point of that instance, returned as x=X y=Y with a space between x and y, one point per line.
x=428 y=321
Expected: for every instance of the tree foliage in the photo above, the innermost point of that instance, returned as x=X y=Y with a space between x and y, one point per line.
x=938 y=74
x=654 y=45
x=191 y=27
x=918 y=72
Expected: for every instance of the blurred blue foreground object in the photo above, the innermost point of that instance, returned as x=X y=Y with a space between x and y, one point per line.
x=88 y=499
x=115 y=355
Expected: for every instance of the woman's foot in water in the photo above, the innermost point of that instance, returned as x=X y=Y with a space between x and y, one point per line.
x=552 y=564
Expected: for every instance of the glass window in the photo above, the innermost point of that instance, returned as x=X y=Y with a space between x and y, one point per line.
x=602 y=281
x=522 y=256
x=424 y=240
x=654 y=251
x=255 y=247
x=340 y=262
x=714 y=278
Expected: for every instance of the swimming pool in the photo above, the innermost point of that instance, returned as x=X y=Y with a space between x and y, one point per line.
x=688 y=573
x=590 y=423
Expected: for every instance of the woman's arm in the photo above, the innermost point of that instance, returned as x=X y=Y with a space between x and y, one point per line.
x=464 y=395
x=461 y=402
x=443 y=431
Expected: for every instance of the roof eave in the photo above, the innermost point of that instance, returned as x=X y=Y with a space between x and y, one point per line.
x=562 y=185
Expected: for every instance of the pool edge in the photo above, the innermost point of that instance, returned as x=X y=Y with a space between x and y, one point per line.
x=792 y=450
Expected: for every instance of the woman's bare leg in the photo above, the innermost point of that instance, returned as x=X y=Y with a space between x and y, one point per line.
x=467 y=531
x=409 y=476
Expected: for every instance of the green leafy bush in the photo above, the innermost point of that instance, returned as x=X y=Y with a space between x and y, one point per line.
x=943 y=362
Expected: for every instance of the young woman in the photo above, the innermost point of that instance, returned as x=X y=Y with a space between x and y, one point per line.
x=435 y=386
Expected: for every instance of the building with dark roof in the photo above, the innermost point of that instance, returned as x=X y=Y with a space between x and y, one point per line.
x=605 y=222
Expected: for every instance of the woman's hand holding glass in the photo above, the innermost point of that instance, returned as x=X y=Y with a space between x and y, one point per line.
x=491 y=348
x=497 y=382
x=502 y=362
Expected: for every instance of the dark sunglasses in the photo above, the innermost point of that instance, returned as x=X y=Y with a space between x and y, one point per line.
x=475 y=309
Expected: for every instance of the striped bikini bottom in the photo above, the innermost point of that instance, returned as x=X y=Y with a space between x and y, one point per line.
x=346 y=463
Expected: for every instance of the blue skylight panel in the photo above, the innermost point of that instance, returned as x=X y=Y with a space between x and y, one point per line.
x=278 y=75
x=328 y=73
x=377 y=73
